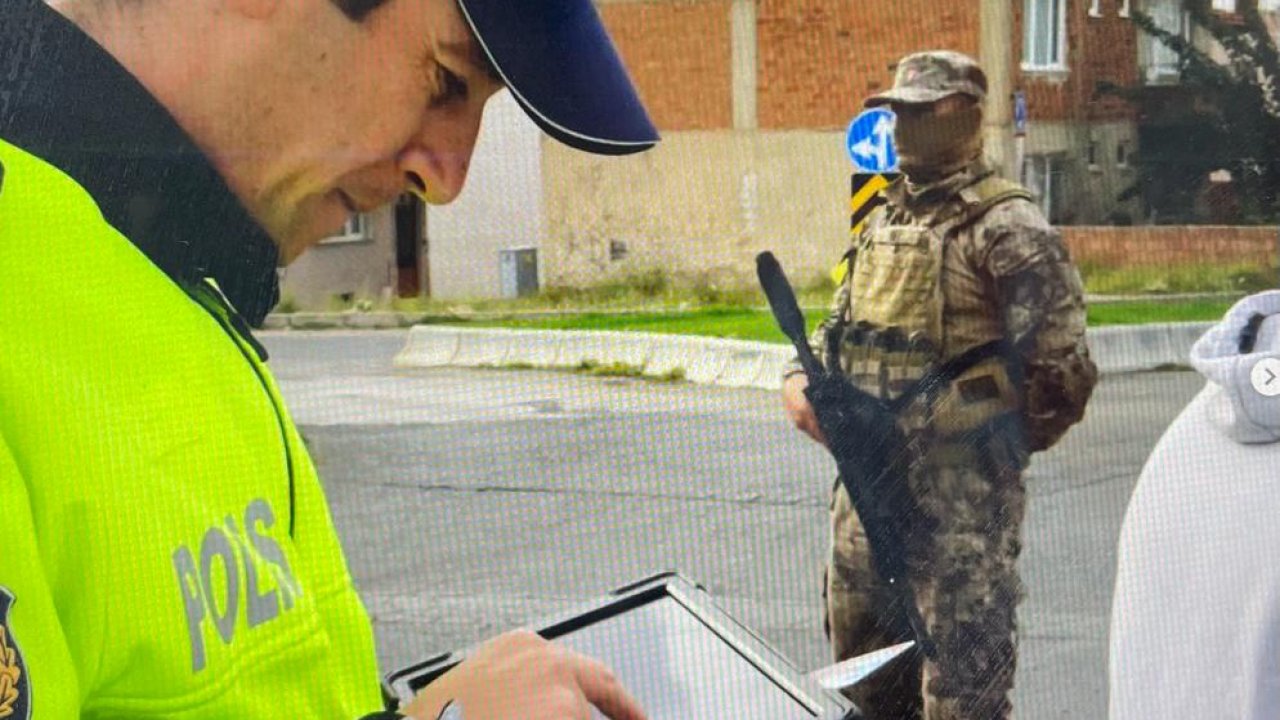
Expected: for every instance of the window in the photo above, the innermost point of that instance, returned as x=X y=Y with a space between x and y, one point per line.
x=1044 y=35
x=1122 y=154
x=1124 y=8
x=1093 y=156
x=1227 y=6
x=356 y=229
x=1046 y=178
x=1095 y=8
x=1161 y=62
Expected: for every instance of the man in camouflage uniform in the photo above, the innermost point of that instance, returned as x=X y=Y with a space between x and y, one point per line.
x=957 y=259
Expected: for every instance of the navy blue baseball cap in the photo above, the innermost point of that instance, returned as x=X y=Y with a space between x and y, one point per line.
x=556 y=58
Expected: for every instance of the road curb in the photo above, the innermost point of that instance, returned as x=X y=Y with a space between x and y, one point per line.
x=731 y=363
x=718 y=361
x=1122 y=348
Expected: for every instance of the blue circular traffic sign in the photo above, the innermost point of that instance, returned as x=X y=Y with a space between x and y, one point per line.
x=870 y=141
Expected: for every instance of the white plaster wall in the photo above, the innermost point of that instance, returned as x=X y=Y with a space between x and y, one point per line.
x=500 y=206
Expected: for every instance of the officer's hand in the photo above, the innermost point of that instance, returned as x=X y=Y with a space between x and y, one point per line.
x=798 y=407
x=520 y=675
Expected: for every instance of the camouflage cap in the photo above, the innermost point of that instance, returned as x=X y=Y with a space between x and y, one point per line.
x=927 y=77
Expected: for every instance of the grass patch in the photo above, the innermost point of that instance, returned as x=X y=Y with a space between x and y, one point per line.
x=621 y=369
x=649 y=290
x=612 y=369
x=1137 y=313
x=1199 y=278
x=597 y=369
x=734 y=323
x=759 y=325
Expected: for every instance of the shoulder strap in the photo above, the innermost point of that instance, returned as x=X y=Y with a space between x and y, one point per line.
x=980 y=197
x=952 y=369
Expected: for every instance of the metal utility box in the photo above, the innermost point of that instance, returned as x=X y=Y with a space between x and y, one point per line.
x=518 y=269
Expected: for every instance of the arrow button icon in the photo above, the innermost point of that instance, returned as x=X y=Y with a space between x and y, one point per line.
x=1266 y=377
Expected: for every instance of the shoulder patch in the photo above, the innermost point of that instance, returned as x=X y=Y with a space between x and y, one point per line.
x=15 y=687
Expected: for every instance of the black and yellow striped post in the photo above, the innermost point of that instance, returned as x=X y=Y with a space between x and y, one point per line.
x=865 y=195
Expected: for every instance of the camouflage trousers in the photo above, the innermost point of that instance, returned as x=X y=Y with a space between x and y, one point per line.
x=962 y=559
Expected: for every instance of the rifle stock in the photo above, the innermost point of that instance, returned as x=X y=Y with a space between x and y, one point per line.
x=867 y=446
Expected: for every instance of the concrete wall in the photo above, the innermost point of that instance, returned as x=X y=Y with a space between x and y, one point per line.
x=704 y=203
x=364 y=269
x=701 y=203
x=1092 y=190
x=499 y=208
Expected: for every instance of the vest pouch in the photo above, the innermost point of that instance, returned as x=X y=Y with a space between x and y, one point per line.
x=894 y=278
x=979 y=396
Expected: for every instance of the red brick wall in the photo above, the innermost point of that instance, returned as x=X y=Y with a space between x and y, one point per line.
x=1171 y=245
x=1110 y=54
x=1098 y=49
x=679 y=55
x=818 y=59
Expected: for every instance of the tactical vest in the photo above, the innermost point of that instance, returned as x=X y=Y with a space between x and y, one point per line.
x=915 y=304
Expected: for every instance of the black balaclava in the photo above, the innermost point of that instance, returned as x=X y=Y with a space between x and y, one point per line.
x=931 y=147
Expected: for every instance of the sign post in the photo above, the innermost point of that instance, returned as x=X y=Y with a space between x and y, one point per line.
x=870 y=145
x=1020 y=136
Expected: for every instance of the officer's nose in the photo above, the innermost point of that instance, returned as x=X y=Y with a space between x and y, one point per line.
x=435 y=164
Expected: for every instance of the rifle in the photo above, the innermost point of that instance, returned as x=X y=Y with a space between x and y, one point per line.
x=869 y=448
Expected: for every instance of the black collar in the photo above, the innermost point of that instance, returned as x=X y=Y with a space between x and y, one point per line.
x=66 y=100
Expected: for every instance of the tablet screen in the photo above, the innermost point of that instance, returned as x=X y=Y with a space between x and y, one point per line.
x=679 y=669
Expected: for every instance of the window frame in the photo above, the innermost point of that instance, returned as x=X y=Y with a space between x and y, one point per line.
x=1030 y=24
x=355 y=230
x=1046 y=178
x=1154 y=73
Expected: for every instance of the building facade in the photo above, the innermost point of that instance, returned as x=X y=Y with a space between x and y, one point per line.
x=753 y=98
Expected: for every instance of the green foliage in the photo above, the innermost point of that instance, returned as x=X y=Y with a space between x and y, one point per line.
x=1137 y=313
x=1221 y=116
x=612 y=369
x=756 y=324
x=1240 y=278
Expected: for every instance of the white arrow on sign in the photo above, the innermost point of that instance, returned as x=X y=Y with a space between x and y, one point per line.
x=879 y=149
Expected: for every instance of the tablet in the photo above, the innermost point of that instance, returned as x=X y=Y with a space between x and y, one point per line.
x=678 y=653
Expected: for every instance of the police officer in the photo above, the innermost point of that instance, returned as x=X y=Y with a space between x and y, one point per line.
x=957 y=260
x=165 y=546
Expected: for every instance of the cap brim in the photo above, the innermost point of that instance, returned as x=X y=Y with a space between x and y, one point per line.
x=907 y=95
x=921 y=96
x=557 y=60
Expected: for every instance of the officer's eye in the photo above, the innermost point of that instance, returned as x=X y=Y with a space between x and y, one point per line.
x=448 y=87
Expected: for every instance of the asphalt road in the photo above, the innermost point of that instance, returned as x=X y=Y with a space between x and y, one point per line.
x=473 y=501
